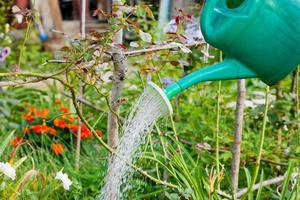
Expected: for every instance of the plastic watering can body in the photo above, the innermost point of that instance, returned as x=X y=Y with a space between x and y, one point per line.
x=261 y=38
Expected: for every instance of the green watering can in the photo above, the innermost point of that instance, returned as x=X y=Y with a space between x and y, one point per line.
x=261 y=38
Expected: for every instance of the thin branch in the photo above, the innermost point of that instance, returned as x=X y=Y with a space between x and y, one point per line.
x=86 y=102
x=160 y=48
x=263 y=184
x=239 y=118
x=119 y=71
x=225 y=150
x=57 y=61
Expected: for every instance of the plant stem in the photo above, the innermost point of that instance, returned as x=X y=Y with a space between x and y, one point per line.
x=216 y=136
x=118 y=78
x=78 y=141
x=236 y=151
x=23 y=44
x=261 y=143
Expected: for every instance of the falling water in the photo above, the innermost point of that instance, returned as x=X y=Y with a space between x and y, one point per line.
x=149 y=107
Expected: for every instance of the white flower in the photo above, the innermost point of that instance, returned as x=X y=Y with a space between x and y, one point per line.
x=287 y=150
x=64 y=179
x=19 y=18
x=8 y=170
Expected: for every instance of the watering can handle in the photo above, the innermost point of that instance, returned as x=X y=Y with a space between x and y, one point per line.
x=229 y=69
x=215 y=10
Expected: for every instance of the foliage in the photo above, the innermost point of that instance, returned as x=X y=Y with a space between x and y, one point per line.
x=180 y=149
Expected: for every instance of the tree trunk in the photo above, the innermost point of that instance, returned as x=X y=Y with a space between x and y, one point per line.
x=236 y=151
x=117 y=81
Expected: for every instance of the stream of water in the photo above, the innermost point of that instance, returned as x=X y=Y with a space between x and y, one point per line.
x=149 y=107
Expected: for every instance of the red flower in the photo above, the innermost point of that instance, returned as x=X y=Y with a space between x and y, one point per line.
x=64 y=110
x=32 y=109
x=57 y=149
x=57 y=101
x=28 y=117
x=51 y=131
x=16 y=142
x=43 y=113
x=85 y=132
x=39 y=129
x=68 y=117
x=72 y=127
x=59 y=123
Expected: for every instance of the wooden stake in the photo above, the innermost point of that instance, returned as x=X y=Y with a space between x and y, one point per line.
x=236 y=151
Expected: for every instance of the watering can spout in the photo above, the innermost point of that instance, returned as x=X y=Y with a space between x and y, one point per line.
x=227 y=70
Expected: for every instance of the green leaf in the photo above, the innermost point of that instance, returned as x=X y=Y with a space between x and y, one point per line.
x=6 y=142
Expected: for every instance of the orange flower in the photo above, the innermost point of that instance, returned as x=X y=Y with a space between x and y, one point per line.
x=32 y=109
x=59 y=123
x=51 y=131
x=28 y=117
x=99 y=133
x=57 y=101
x=16 y=142
x=43 y=113
x=85 y=132
x=64 y=110
x=39 y=128
x=72 y=127
x=57 y=149
x=26 y=131
x=68 y=117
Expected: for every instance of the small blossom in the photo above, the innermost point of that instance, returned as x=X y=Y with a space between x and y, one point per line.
x=85 y=132
x=57 y=149
x=43 y=113
x=39 y=129
x=64 y=110
x=6 y=51
x=168 y=81
x=51 y=131
x=32 y=109
x=285 y=128
x=16 y=142
x=8 y=170
x=287 y=150
x=60 y=123
x=28 y=117
x=68 y=117
x=57 y=101
x=63 y=177
x=19 y=18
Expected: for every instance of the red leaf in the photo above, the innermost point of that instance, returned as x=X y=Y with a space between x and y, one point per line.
x=121 y=46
